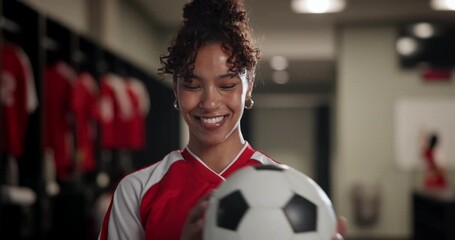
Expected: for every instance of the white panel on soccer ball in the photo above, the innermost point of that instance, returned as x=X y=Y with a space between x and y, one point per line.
x=222 y=234
x=312 y=191
x=257 y=190
x=308 y=236
x=302 y=184
x=326 y=230
x=256 y=186
x=273 y=225
x=231 y=183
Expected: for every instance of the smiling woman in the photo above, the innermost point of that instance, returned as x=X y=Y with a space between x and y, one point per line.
x=212 y=103
x=212 y=62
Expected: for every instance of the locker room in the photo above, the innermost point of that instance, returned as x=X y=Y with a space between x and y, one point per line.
x=348 y=98
x=64 y=166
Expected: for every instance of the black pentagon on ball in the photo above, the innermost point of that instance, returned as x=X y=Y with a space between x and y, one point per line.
x=269 y=167
x=231 y=210
x=301 y=214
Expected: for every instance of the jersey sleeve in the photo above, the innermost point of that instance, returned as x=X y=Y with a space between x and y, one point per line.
x=143 y=96
x=32 y=98
x=122 y=220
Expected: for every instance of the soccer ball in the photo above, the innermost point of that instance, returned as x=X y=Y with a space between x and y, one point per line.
x=269 y=202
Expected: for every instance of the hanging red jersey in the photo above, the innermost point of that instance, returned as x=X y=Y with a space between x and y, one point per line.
x=114 y=112
x=58 y=79
x=140 y=101
x=17 y=98
x=83 y=103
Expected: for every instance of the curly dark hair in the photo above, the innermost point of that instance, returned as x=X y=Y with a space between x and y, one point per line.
x=212 y=21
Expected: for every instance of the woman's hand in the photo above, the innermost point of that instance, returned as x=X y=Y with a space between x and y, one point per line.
x=194 y=224
x=341 y=228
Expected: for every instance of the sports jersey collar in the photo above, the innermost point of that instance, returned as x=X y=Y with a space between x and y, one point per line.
x=243 y=156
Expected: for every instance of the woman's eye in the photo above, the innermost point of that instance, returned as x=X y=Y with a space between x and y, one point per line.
x=191 y=86
x=228 y=86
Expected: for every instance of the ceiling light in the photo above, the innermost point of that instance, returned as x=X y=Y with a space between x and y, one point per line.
x=279 y=63
x=407 y=46
x=448 y=5
x=423 y=30
x=317 y=6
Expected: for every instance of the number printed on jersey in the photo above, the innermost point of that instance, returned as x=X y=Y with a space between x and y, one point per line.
x=7 y=89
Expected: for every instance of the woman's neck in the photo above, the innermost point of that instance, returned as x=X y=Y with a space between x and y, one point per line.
x=218 y=157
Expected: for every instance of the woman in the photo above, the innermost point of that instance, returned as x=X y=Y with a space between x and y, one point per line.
x=212 y=63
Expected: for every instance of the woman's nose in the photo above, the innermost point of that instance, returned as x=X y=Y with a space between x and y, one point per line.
x=210 y=99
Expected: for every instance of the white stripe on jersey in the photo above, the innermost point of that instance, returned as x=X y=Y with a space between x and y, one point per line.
x=32 y=98
x=124 y=219
x=264 y=159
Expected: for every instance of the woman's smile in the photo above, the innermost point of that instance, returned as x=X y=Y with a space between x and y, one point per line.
x=212 y=122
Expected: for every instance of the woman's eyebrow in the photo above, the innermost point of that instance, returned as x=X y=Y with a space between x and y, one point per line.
x=220 y=77
x=227 y=75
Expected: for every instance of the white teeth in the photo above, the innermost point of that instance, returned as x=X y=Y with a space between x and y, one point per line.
x=212 y=120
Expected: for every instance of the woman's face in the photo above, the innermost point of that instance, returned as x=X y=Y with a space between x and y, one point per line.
x=212 y=103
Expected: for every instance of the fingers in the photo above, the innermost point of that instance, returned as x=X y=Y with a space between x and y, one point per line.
x=341 y=225
x=338 y=237
x=197 y=212
x=199 y=209
x=194 y=225
x=341 y=228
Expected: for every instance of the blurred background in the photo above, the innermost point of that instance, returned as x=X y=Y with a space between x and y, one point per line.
x=350 y=94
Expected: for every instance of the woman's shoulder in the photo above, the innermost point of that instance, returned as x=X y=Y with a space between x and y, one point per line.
x=152 y=174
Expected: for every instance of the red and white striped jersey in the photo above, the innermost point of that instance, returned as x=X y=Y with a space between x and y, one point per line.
x=17 y=98
x=58 y=83
x=115 y=110
x=83 y=103
x=153 y=203
x=140 y=102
